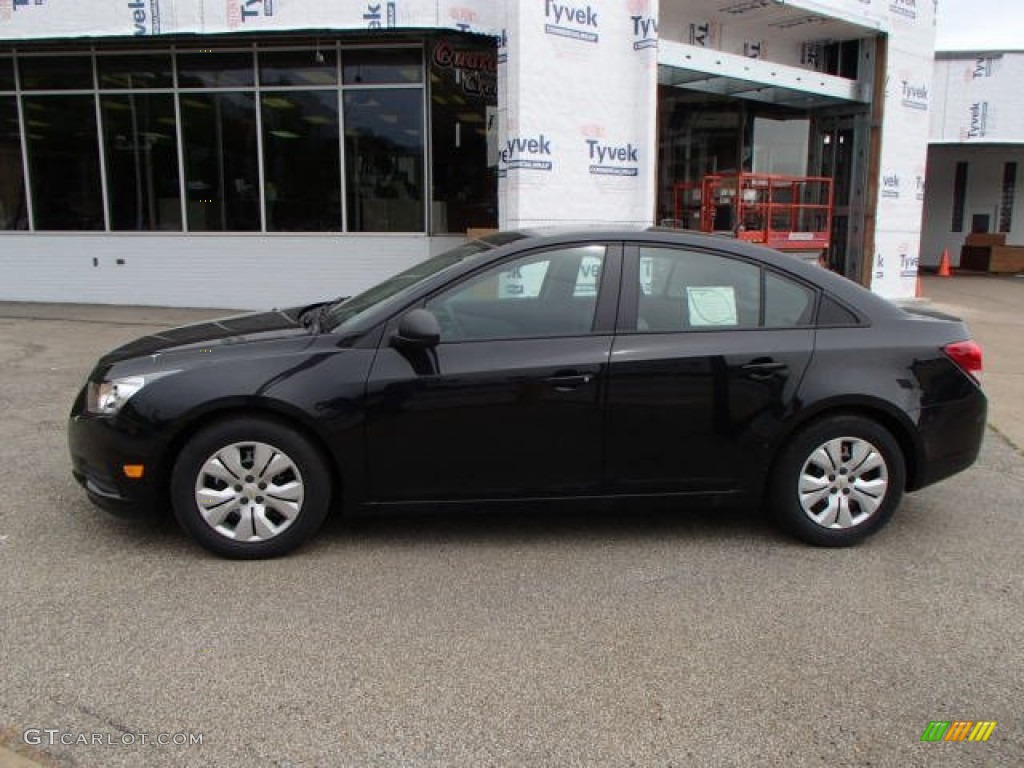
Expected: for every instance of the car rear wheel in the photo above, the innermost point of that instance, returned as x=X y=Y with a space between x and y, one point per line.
x=250 y=488
x=838 y=481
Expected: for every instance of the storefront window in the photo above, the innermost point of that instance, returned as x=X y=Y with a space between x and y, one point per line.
x=6 y=73
x=13 y=214
x=302 y=172
x=184 y=136
x=314 y=67
x=55 y=73
x=375 y=66
x=141 y=150
x=221 y=161
x=384 y=159
x=463 y=89
x=136 y=71
x=64 y=162
x=215 y=70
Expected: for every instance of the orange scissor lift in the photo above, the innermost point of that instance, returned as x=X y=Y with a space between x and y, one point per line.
x=788 y=213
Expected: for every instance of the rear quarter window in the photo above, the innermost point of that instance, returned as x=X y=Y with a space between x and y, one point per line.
x=787 y=303
x=832 y=313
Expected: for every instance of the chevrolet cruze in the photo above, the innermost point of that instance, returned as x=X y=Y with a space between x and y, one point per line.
x=533 y=366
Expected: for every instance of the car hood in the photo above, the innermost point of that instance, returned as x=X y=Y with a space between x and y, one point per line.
x=206 y=336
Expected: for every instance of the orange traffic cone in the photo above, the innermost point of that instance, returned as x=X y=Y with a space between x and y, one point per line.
x=918 y=292
x=944 y=264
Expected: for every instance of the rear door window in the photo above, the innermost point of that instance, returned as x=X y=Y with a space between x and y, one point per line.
x=681 y=290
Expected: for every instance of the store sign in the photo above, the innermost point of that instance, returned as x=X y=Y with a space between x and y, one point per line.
x=475 y=70
x=575 y=22
x=447 y=56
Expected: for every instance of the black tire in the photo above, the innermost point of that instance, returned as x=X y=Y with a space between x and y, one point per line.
x=265 y=526
x=868 y=506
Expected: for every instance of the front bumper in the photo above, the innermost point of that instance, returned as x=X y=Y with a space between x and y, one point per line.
x=99 y=450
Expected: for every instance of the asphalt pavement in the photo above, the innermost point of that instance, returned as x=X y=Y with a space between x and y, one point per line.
x=581 y=638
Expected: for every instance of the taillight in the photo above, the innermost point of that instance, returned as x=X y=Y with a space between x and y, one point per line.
x=967 y=355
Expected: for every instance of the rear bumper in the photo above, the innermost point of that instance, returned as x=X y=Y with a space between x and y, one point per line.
x=951 y=437
x=99 y=451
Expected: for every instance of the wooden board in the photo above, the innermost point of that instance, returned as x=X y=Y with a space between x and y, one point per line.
x=1007 y=259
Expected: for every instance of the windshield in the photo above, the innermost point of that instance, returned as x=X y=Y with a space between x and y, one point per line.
x=347 y=314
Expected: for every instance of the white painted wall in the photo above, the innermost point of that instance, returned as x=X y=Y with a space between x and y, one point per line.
x=233 y=271
x=984 y=189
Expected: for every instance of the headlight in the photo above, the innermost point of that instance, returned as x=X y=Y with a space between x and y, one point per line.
x=109 y=396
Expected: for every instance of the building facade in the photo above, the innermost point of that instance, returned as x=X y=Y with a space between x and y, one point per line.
x=249 y=153
x=976 y=152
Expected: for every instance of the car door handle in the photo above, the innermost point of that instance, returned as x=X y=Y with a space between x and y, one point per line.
x=763 y=369
x=569 y=381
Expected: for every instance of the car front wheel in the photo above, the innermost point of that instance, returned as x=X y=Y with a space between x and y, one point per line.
x=250 y=488
x=839 y=481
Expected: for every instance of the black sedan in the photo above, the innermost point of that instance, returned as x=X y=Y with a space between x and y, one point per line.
x=538 y=366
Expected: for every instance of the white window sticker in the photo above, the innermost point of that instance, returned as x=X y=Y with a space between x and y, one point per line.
x=712 y=305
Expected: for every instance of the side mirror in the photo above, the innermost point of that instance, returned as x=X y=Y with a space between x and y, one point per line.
x=417 y=329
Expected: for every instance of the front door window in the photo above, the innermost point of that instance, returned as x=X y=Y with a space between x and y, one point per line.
x=547 y=294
